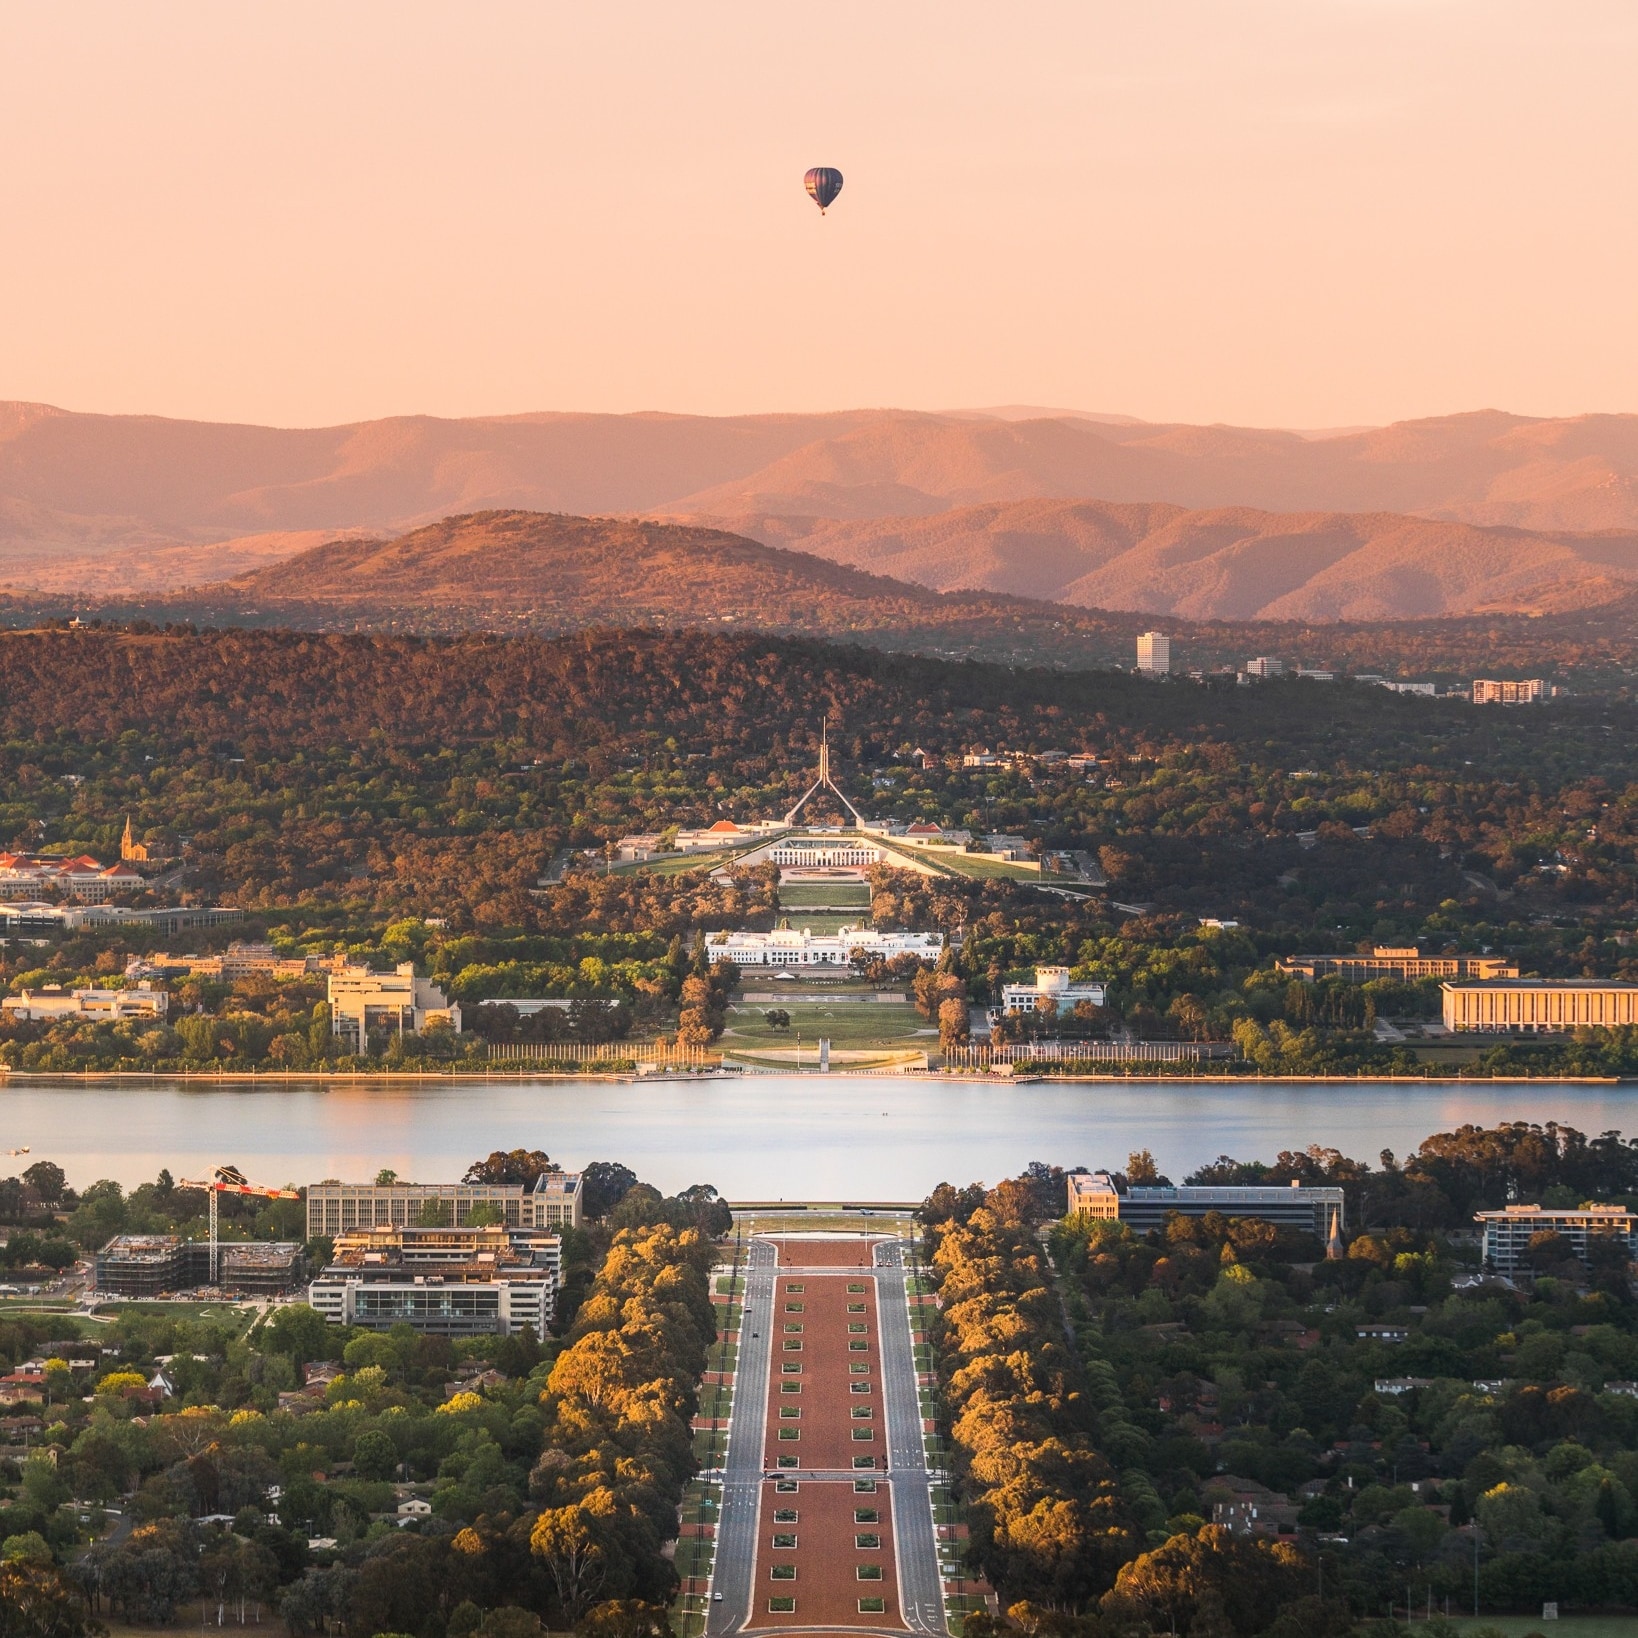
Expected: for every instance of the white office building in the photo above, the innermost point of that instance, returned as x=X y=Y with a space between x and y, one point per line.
x=95 y=1006
x=1052 y=990
x=1154 y=653
x=363 y=1001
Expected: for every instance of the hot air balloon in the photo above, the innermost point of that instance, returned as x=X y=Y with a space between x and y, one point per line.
x=823 y=182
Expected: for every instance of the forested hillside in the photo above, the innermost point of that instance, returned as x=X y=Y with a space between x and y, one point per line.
x=451 y=801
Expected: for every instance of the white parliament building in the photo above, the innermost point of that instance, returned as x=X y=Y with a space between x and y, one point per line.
x=793 y=947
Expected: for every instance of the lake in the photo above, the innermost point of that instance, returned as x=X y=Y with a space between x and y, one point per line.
x=757 y=1137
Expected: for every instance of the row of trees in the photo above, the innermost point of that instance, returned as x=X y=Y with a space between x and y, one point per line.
x=619 y=1402
x=1049 y=1523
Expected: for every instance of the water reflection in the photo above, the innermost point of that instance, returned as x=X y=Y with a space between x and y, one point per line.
x=758 y=1137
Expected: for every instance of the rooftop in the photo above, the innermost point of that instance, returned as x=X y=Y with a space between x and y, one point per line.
x=1539 y=984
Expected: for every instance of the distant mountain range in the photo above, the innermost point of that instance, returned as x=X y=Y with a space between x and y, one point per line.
x=1421 y=519
x=1225 y=563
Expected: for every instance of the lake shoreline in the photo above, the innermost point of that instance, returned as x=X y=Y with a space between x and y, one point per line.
x=473 y=1077
x=750 y=1136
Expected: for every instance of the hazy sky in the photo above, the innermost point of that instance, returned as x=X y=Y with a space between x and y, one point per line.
x=1292 y=212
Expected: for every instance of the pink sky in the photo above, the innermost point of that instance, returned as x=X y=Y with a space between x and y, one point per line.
x=1293 y=212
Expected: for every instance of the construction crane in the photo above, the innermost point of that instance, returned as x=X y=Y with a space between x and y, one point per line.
x=230 y=1180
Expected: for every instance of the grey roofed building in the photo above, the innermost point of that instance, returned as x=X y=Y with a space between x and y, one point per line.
x=1144 y=1207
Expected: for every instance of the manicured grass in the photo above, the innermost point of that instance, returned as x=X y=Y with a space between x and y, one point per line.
x=957 y=1607
x=695 y=1498
x=681 y=865
x=823 y=923
x=716 y=1401
x=885 y=1059
x=710 y=1447
x=854 y=1024
x=694 y=1555
x=977 y=865
x=793 y=895
x=66 y=1326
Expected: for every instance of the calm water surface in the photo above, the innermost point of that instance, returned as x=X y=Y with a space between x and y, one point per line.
x=760 y=1137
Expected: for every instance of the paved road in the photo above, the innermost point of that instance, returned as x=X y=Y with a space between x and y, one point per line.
x=735 y=1561
x=921 y=1589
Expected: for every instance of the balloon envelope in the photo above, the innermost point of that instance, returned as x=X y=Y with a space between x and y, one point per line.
x=823 y=182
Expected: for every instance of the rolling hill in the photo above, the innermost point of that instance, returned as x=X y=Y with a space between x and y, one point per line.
x=512 y=571
x=1224 y=563
x=548 y=571
x=141 y=504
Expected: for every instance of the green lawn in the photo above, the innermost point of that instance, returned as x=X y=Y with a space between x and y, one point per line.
x=823 y=923
x=716 y=1401
x=694 y=1555
x=182 y=1310
x=682 y=864
x=854 y=1024
x=66 y=1325
x=977 y=865
x=794 y=895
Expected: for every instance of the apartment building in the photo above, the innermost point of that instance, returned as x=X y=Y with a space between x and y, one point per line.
x=147 y=1265
x=554 y=1201
x=452 y=1282
x=1508 y=1233
x=83 y=879
x=1489 y=691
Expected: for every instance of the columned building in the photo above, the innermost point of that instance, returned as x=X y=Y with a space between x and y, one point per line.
x=1539 y=1006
